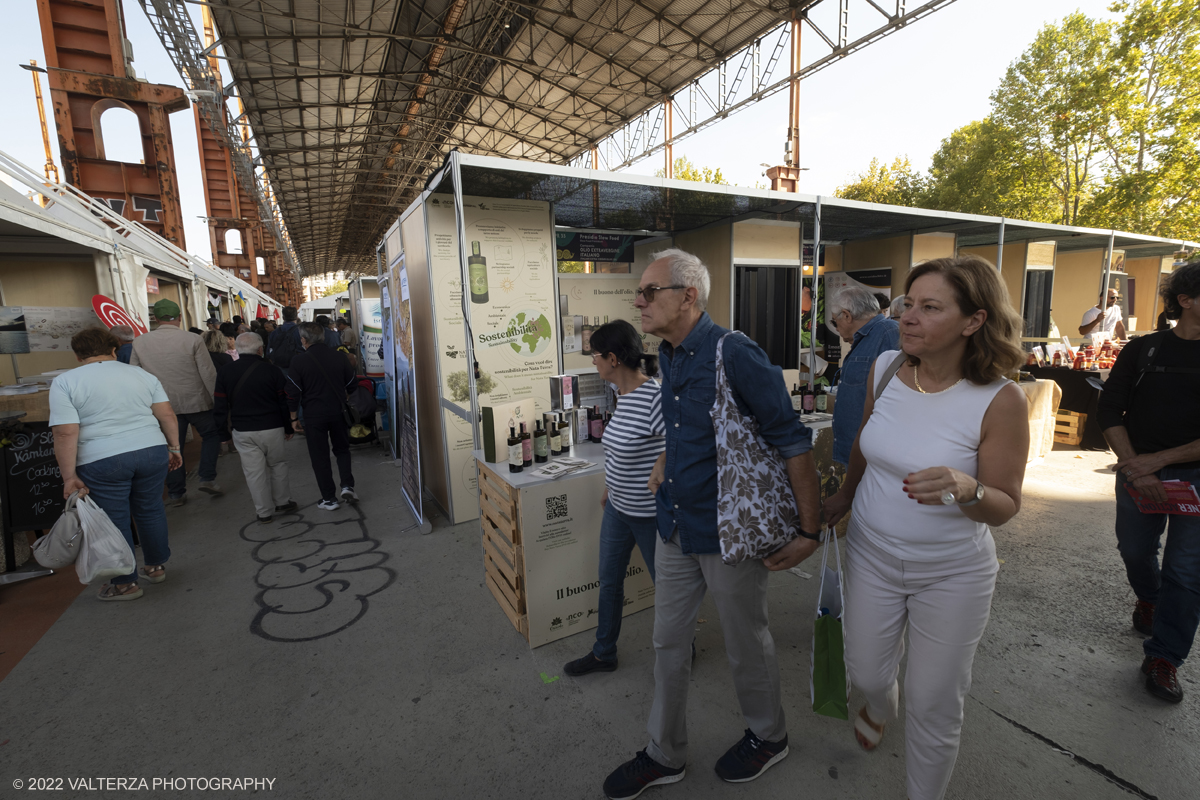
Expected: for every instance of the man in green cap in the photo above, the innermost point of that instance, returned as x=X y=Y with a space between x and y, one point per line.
x=183 y=366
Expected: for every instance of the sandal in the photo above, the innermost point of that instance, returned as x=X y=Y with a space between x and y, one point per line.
x=124 y=591
x=866 y=731
x=151 y=574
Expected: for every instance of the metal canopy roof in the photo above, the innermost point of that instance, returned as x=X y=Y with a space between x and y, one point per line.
x=352 y=104
x=618 y=201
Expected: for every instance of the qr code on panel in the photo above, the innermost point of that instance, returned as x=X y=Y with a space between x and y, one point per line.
x=556 y=507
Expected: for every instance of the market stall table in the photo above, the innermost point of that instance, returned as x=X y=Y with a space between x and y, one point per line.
x=541 y=547
x=1081 y=395
x=1044 y=397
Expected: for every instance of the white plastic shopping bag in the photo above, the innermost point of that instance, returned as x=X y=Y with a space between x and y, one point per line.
x=104 y=552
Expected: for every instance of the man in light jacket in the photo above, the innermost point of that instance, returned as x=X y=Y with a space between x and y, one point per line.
x=183 y=366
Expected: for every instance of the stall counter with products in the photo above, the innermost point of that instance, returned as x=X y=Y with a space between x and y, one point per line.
x=541 y=545
x=541 y=540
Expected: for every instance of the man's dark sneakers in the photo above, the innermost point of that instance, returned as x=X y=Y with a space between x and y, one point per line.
x=589 y=663
x=750 y=758
x=1161 y=680
x=1143 y=618
x=286 y=508
x=634 y=777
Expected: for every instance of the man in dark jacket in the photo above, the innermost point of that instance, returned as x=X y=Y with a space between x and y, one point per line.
x=284 y=342
x=318 y=381
x=332 y=337
x=251 y=390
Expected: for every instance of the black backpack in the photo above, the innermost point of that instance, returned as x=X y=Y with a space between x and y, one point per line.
x=287 y=348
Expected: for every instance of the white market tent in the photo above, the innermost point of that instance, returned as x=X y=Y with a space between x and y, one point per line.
x=125 y=253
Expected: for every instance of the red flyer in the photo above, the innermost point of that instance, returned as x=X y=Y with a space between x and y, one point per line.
x=1181 y=499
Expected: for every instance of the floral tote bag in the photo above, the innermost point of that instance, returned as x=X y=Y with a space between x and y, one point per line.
x=756 y=508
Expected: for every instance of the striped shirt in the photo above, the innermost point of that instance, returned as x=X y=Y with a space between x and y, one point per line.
x=633 y=440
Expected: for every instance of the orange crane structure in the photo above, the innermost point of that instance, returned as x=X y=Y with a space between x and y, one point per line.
x=89 y=71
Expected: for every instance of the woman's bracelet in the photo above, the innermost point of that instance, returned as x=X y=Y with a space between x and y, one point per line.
x=172 y=449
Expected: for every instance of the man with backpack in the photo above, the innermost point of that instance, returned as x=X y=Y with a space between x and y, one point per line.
x=252 y=392
x=1150 y=415
x=284 y=342
x=318 y=382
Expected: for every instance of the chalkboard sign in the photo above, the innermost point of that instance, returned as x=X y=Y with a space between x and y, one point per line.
x=32 y=489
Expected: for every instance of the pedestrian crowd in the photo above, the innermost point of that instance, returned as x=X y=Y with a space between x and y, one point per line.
x=120 y=420
x=931 y=438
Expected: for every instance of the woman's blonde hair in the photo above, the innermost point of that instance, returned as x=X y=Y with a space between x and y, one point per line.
x=215 y=341
x=994 y=350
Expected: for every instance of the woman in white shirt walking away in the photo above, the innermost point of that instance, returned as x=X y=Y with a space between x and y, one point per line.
x=940 y=456
x=633 y=440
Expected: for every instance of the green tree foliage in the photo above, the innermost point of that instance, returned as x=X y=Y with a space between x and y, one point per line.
x=980 y=169
x=1051 y=102
x=685 y=170
x=337 y=288
x=1095 y=123
x=897 y=184
x=1152 y=111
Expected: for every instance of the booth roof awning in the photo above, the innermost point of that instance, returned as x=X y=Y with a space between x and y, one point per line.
x=353 y=104
x=621 y=201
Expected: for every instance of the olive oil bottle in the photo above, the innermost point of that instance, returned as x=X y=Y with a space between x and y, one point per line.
x=477 y=271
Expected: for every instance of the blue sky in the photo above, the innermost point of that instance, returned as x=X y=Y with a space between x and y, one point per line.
x=899 y=96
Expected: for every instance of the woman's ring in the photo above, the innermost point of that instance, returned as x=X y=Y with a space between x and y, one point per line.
x=948 y=498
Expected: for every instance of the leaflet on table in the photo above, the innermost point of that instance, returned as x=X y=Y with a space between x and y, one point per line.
x=562 y=466
x=1181 y=499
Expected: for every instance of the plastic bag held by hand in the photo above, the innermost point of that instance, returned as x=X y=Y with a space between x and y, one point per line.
x=829 y=685
x=104 y=552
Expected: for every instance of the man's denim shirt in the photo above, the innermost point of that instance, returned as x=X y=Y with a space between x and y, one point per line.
x=878 y=336
x=687 y=499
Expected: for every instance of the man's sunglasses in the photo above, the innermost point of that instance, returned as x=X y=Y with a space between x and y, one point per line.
x=649 y=291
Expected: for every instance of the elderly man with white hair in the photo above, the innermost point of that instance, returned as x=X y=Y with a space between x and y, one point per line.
x=125 y=336
x=671 y=298
x=858 y=321
x=252 y=392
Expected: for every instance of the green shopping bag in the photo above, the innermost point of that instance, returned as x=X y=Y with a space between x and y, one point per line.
x=828 y=682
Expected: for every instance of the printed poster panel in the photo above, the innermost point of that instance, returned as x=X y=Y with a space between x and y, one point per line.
x=560 y=524
x=402 y=394
x=460 y=464
x=13 y=336
x=590 y=300
x=370 y=335
x=50 y=329
x=511 y=305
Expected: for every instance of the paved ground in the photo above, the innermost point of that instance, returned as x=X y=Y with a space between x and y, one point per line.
x=394 y=674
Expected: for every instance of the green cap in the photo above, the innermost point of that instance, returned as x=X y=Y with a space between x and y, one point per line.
x=166 y=309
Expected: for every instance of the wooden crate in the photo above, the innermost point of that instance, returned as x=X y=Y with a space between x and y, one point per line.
x=503 y=552
x=1068 y=427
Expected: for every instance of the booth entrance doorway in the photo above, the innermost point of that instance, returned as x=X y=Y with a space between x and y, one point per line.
x=1039 y=286
x=767 y=309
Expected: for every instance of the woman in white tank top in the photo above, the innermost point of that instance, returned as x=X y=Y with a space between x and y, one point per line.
x=939 y=458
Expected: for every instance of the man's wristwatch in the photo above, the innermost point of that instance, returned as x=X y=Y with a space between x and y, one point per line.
x=976 y=497
x=816 y=537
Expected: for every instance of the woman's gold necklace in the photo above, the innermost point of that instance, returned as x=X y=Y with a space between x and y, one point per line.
x=917 y=381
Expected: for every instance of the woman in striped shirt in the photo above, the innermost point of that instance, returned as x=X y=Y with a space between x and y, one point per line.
x=633 y=440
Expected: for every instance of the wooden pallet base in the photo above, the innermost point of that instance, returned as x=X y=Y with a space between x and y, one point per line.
x=1068 y=427
x=503 y=552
